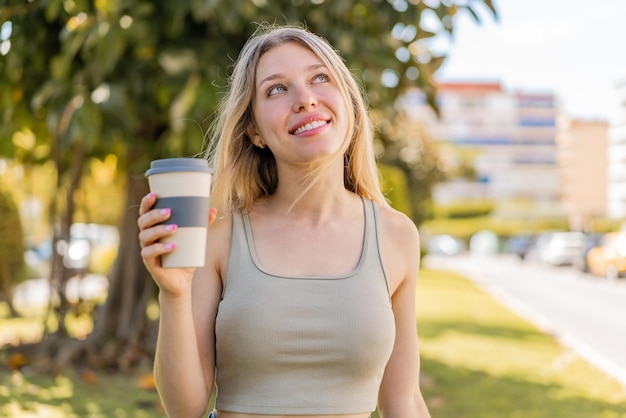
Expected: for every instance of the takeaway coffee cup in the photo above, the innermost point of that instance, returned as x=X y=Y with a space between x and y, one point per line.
x=184 y=186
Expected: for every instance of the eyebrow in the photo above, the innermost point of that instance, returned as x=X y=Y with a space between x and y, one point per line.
x=280 y=75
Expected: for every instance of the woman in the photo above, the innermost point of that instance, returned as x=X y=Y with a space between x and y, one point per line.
x=306 y=304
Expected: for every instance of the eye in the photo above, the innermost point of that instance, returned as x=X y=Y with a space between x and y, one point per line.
x=321 y=78
x=275 y=89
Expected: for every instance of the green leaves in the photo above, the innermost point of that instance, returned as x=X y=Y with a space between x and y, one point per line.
x=86 y=122
x=201 y=9
x=107 y=52
x=177 y=62
x=166 y=62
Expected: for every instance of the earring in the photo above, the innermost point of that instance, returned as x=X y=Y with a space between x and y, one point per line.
x=261 y=144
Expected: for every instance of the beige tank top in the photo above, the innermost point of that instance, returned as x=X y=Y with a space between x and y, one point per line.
x=302 y=345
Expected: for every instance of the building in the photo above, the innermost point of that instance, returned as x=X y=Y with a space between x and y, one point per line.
x=583 y=161
x=509 y=138
x=616 y=200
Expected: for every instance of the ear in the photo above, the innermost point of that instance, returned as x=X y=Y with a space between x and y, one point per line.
x=255 y=137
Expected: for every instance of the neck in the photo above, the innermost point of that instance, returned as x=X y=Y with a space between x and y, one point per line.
x=326 y=197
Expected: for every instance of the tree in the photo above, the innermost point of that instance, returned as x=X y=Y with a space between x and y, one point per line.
x=141 y=79
x=12 y=266
x=410 y=150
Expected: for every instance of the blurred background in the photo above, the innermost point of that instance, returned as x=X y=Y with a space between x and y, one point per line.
x=500 y=130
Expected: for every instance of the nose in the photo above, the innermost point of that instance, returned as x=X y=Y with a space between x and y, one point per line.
x=304 y=99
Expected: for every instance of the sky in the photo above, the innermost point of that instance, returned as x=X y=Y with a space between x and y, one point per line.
x=575 y=49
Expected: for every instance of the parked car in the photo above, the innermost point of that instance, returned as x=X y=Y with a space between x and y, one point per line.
x=592 y=240
x=484 y=243
x=537 y=246
x=443 y=244
x=562 y=248
x=519 y=245
x=608 y=259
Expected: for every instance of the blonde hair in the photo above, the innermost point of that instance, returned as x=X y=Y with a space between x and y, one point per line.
x=245 y=172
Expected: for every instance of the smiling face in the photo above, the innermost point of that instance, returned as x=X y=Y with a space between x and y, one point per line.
x=299 y=111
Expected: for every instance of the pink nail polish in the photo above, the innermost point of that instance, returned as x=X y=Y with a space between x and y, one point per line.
x=171 y=227
x=165 y=211
x=170 y=245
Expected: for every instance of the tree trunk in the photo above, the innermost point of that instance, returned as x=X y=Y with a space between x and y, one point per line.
x=121 y=324
x=6 y=289
x=123 y=336
x=61 y=275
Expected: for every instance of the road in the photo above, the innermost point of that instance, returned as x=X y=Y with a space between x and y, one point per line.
x=583 y=312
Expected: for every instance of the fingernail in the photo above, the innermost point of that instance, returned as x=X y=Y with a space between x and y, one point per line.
x=171 y=227
x=170 y=245
x=150 y=195
x=165 y=211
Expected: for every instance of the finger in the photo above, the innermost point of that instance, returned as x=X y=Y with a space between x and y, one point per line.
x=153 y=217
x=212 y=215
x=152 y=235
x=151 y=252
x=146 y=203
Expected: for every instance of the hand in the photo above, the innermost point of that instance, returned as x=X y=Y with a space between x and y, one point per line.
x=171 y=282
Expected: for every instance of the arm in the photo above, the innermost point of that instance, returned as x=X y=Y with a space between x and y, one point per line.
x=400 y=394
x=188 y=302
x=178 y=368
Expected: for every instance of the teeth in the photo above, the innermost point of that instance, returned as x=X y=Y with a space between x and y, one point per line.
x=309 y=126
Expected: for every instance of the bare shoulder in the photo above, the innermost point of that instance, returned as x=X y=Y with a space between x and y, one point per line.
x=221 y=226
x=400 y=244
x=398 y=227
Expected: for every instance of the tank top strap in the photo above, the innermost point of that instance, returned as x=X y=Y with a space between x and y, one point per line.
x=373 y=244
x=239 y=244
x=239 y=259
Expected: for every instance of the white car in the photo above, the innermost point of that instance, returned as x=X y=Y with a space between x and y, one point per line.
x=562 y=248
x=443 y=244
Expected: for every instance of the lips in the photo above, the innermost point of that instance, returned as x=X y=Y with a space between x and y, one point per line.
x=308 y=126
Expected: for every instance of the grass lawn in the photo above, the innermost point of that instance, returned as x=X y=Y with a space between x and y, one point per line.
x=76 y=394
x=479 y=360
